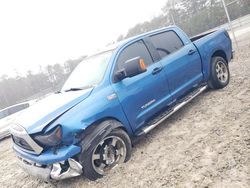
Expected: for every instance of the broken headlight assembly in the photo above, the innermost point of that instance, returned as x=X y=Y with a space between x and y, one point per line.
x=51 y=138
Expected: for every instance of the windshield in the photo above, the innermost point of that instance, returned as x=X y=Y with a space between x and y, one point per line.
x=88 y=73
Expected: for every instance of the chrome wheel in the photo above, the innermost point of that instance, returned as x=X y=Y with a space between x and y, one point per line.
x=221 y=72
x=108 y=153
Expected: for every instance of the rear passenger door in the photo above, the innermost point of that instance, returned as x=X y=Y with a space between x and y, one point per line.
x=143 y=95
x=182 y=63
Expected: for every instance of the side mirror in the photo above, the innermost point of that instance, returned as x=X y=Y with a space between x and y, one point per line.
x=132 y=67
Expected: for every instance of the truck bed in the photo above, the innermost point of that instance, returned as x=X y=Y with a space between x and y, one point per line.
x=196 y=37
x=209 y=43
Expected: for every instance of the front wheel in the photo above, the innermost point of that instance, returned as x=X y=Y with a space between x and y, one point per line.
x=105 y=154
x=219 y=73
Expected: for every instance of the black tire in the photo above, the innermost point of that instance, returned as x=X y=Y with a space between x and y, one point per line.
x=89 y=167
x=219 y=73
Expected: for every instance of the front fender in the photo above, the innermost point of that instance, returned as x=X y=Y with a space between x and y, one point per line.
x=95 y=108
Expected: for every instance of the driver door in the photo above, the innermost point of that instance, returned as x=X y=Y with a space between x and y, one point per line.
x=143 y=95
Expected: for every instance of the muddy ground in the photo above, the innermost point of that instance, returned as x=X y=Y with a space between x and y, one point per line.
x=205 y=144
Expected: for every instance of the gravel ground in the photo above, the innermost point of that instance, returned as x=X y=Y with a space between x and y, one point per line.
x=205 y=144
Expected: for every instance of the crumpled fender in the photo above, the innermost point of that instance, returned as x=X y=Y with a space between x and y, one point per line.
x=95 y=133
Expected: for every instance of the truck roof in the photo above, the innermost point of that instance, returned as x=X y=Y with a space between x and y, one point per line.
x=141 y=35
x=115 y=45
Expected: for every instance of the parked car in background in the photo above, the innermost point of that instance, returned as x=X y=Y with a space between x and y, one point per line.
x=114 y=96
x=8 y=115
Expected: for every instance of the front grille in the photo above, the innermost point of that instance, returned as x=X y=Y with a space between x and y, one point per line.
x=22 y=143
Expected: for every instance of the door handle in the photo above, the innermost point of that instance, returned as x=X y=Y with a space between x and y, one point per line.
x=157 y=70
x=191 y=52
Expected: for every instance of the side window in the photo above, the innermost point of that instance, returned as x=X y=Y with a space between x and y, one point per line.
x=166 y=43
x=134 y=50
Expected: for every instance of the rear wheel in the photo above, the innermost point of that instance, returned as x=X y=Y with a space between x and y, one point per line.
x=104 y=154
x=219 y=73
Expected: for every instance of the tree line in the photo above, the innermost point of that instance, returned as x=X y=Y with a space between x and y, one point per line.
x=33 y=85
x=193 y=16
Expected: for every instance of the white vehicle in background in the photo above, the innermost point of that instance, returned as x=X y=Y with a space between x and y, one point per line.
x=8 y=115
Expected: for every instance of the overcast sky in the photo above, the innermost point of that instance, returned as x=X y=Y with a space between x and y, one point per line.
x=34 y=33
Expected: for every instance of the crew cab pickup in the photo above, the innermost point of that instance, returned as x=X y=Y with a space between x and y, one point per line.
x=115 y=96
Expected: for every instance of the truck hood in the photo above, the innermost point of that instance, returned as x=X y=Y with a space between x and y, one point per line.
x=35 y=118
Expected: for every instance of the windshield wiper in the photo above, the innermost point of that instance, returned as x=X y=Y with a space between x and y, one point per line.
x=73 y=89
x=78 y=88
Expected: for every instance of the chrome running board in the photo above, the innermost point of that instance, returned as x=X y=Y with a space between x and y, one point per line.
x=148 y=128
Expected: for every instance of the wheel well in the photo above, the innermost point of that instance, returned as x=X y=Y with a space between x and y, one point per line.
x=92 y=126
x=114 y=119
x=220 y=53
x=109 y=119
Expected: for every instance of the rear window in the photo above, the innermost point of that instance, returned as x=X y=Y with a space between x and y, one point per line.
x=166 y=43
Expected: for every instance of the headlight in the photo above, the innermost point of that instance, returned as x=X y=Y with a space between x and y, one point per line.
x=52 y=138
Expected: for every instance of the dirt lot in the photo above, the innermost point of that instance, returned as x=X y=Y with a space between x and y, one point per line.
x=205 y=144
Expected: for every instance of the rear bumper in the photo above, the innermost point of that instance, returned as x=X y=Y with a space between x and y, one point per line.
x=232 y=54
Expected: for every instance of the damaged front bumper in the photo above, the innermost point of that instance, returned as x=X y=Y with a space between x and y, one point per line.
x=55 y=165
x=57 y=171
x=73 y=169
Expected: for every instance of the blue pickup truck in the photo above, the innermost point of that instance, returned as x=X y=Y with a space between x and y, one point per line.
x=115 y=96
